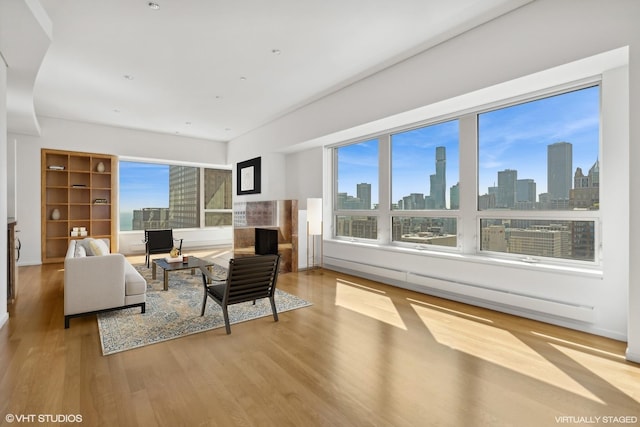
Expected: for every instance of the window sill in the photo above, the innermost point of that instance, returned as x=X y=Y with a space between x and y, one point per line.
x=591 y=272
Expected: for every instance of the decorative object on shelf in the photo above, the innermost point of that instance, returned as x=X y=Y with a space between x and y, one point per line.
x=55 y=214
x=248 y=177
x=79 y=231
x=100 y=202
x=100 y=167
x=314 y=228
x=56 y=168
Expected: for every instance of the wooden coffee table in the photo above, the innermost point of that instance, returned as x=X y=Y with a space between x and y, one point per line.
x=192 y=264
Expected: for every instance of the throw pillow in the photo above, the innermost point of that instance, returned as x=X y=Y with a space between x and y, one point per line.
x=80 y=251
x=99 y=247
x=86 y=244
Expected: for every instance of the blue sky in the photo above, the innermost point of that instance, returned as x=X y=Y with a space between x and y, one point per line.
x=143 y=185
x=510 y=138
x=517 y=137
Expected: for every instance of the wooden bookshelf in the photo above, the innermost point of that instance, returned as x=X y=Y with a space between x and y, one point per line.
x=81 y=187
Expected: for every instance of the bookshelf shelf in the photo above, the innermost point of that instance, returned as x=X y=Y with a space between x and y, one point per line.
x=71 y=182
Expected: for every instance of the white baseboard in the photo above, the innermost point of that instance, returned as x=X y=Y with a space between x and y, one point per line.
x=631 y=356
x=3 y=319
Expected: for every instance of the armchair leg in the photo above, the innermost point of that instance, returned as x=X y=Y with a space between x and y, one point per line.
x=273 y=308
x=225 y=312
x=204 y=302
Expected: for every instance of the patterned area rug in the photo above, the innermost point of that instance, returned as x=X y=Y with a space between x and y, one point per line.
x=176 y=312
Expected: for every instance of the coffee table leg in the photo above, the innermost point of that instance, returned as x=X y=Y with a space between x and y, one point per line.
x=166 y=280
x=153 y=271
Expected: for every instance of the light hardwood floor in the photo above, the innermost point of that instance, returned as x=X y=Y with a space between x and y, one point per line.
x=364 y=354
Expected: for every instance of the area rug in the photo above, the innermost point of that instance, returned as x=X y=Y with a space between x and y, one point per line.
x=176 y=313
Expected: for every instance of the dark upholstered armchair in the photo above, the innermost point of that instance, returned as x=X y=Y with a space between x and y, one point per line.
x=160 y=242
x=248 y=279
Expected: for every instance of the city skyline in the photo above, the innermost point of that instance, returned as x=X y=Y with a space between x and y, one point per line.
x=514 y=137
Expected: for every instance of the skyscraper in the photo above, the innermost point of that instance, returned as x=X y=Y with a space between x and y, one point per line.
x=525 y=190
x=364 y=194
x=559 y=170
x=507 y=188
x=438 y=180
x=454 y=196
x=184 y=196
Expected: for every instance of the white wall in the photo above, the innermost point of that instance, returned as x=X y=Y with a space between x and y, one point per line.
x=304 y=175
x=84 y=137
x=539 y=36
x=3 y=191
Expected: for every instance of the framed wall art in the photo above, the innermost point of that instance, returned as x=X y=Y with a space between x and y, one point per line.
x=248 y=177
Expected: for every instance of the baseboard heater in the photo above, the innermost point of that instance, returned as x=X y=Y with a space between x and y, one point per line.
x=471 y=293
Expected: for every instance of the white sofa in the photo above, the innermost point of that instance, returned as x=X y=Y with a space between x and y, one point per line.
x=99 y=281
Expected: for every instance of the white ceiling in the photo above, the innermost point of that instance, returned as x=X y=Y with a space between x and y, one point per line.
x=187 y=60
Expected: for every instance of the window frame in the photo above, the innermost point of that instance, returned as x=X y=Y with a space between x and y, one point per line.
x=201 y=173
x=469 y=217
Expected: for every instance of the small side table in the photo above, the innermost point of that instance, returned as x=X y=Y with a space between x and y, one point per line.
x=192 y=264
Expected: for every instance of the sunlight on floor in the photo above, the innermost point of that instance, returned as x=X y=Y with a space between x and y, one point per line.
x=482 y=340
x=367 y=301
x=454 y=312
x=628 y=383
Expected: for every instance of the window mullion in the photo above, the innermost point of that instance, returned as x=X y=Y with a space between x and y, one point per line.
x=467 y=225
x=384 y=197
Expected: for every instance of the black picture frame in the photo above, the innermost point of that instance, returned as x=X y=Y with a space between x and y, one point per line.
x=248 y=175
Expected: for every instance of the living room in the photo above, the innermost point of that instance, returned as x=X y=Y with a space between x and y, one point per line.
x=535 y=47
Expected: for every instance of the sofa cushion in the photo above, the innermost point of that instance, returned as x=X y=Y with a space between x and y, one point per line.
x=79 y=251
x=98 y=247
x=134 y=283
x=86 y=244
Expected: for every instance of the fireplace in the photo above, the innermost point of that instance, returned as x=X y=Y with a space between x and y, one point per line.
x=266 y=241
x=266 y=227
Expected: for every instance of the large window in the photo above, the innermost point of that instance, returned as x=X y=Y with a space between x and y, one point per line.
x=357 y=190
x=424 y=167
x=425 y=177
x=532 y=194
x=542 y=154
x=173 y=196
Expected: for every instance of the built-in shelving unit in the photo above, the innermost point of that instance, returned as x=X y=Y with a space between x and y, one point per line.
x=78 y=190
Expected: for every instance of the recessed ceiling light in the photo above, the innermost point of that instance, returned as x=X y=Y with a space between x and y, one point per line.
x=187 y=123
x=276 y=51
x=128 y=76
x=243 y=78
x=115 y=110
x=154 y=6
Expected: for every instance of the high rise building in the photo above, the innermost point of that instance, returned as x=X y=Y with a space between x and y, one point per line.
x=413 y=201
x=454 y=196
x=506 y=197
x=184 y=196
x=559 y=170
x=586 y=191
x=438 y=180
x=526 y=190
x=364 y=194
